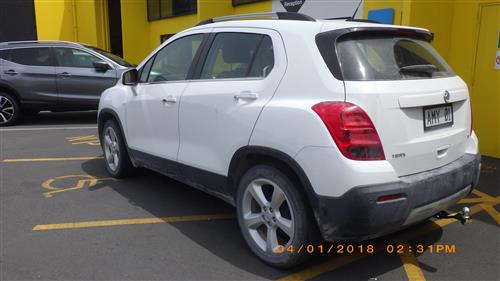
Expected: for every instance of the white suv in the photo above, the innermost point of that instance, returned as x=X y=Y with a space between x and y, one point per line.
x=341 y=128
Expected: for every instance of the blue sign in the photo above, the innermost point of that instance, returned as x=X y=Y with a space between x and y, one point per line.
x=382 y=16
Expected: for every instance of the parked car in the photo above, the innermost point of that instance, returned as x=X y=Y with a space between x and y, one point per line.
x=348 y=129
x=53 y=75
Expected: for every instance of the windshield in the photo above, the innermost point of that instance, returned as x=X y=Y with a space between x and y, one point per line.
x=390 y=58
x=111 y=56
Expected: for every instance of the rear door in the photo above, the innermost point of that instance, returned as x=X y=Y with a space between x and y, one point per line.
x=219 y=109
x=31 y=72
x=78 y=82
x=419 y=107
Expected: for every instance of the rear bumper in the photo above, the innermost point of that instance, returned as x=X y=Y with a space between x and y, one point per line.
x=357 y=215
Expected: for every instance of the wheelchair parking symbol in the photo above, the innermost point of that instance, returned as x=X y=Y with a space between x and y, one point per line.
x=70 y=182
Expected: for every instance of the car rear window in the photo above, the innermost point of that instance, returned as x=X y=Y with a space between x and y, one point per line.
x=389 y=58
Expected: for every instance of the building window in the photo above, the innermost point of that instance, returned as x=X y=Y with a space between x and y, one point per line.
x=160 y=9
x=241 y=2
x=165 y=37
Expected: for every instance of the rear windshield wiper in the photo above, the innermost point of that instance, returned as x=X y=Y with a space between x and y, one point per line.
x=419 y=68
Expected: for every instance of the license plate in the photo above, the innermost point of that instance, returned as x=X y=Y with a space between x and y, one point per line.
x=438 y=116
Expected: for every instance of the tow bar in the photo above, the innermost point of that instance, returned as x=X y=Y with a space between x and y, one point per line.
x=463 y=216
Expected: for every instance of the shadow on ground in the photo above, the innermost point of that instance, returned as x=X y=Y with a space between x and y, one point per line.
x=162 y=197
x=60 y=118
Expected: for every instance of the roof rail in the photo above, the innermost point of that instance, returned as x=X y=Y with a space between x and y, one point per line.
x=277 y=15
x=38 y=42
x=353 y=20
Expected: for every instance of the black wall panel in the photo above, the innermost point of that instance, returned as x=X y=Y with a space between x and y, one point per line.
x=115 y=27
x=17 y=20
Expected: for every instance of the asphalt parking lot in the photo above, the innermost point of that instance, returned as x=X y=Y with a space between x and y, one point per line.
x=63 y=218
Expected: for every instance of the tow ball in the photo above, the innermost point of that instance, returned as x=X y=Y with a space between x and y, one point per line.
x=462 y=216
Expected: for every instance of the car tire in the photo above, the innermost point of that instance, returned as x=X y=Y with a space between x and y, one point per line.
x=271 y=184
x=9 y=109
x=116 y=156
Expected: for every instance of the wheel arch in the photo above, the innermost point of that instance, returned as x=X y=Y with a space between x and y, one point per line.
x=105 y=115
x=8 y=89
x=249 y=156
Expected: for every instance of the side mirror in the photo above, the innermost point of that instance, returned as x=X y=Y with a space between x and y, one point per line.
x=101 y=65
x=130 y=77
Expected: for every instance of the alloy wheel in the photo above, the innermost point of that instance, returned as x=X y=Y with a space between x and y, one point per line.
x=267 y=216
x=6 y=110
x=111 y=148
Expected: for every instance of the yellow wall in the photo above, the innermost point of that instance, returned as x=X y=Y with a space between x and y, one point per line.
x=259 y=7
x=169 y=26
x=55 y=20
x=140 y=36
x=135 y=30
x=72 y=20
x=86 y=21
x=463 y=40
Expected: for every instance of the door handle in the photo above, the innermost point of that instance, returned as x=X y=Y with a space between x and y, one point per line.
x=169 y=99
x=64 y=75
x=10 y=72
x=246 y=95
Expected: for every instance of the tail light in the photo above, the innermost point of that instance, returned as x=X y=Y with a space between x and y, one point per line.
x=351 y=129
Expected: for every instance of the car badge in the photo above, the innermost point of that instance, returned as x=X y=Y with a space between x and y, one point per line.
x=446 y=96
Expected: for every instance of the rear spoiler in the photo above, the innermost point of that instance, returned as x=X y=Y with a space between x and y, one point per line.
x=325 y=41
x=396 y=31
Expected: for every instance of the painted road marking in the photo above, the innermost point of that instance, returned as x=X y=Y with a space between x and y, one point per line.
x=51 y=159
x=88 y=224
x=81 y=182
x=90 y=140
x=410 y=264
x=335 y=263
x=325 y=267
x=487 y=202
x=47 y=128
x=308 y=273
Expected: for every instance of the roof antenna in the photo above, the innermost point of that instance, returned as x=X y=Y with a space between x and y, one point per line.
x=357 y=8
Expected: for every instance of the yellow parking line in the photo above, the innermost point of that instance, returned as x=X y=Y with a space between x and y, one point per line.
x=50 y=159
x=323 y=268
x=331 y=265
x=88 y=224
x=410 y=264
x=492 y=212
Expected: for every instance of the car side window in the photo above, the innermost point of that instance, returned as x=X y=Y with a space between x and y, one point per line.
x=32 y=56
x=172 y=63
x=263 y=62
x=145 y=70
x=238 y=55
x=69 y=57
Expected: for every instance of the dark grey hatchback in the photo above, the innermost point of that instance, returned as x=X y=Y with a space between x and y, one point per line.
x=53 y=75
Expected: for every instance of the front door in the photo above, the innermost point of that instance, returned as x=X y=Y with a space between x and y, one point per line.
x=152 y=112
x=79 y=84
